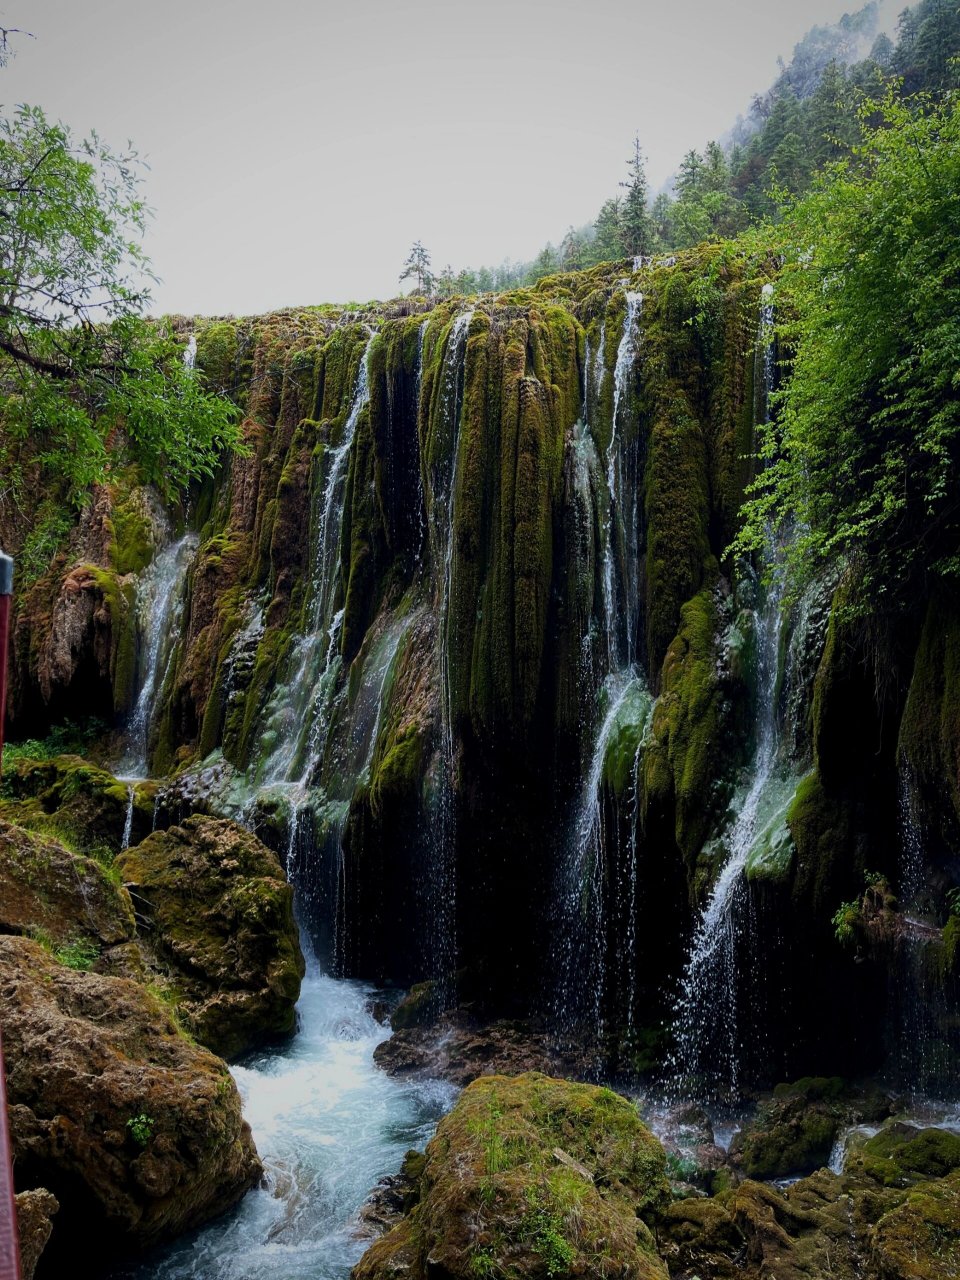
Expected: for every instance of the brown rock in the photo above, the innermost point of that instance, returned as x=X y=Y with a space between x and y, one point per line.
x=35 y=1210
x=136 y=1130
x=45 y=887
x=217 y=920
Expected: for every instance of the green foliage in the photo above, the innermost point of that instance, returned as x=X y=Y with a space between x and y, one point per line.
x=81 y=954
x=864 y=451
x=63 y=740
x=79 y=364
x=544 y=1227
x=844 y=921
x=52 y=524
x=140 y=1128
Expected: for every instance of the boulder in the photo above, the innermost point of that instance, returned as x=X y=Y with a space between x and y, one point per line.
x=531 y=1177
x=135 y=1130
x=35 y=1210
x=920 y=1239
x=793 y=1132
x=216 y=922
x=67 y=900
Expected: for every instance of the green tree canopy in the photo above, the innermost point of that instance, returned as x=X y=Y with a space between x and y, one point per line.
x=79 y=366
x=864 y=451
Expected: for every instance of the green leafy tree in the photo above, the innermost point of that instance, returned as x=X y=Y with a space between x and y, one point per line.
x=417 y=267
x=84 y=379
x=607 y=228
x=864 y=450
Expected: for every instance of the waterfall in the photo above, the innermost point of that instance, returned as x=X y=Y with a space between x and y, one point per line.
x=190 y=353
x=707 y=1030
x=160 y=601
x=297 y=715
x=595 y=884
x=128 y=820
x=920 y=1050
x=707 y=1026
x=441 y=874
x=621 y=592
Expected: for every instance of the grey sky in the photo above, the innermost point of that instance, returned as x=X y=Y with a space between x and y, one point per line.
x=298 y=149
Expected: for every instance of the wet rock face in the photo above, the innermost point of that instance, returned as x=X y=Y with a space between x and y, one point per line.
x=531 y=1177
x=893 y=1214
x=135 y=1130
x=794 y=1131
x=216 y=921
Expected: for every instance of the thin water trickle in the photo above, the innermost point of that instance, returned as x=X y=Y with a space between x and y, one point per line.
x=707 y=1027
x=160 y=602
x=128 y=820
x=591 y=871
x=621 y=591
x=708 y=1051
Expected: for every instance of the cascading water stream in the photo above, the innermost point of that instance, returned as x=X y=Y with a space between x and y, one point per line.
x=583 y=925
x=707 y=1030
x=621 y=591
x=160 y=601
x=441 y=874
x=297 y=717
x=328 y=1124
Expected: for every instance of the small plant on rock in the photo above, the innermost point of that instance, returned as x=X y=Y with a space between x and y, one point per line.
x=141 y=1128
x=80 y=954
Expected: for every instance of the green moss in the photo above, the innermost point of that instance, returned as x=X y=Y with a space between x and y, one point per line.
x=900 y=1155
x=827 y=852
x=551 y=1173
x=920 y=1239
x=625 y=738
x=930 y=729
x=682 y=759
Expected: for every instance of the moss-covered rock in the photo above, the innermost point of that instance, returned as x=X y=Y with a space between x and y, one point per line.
x=136 y=1131
x=83 y=803
x=901 y=1154
x=72 y=903
x=794 y=1131
x=219 y=929
x=920 y=1239
x=530 y=1176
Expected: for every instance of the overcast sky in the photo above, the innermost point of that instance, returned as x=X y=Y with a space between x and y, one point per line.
x=297 y=149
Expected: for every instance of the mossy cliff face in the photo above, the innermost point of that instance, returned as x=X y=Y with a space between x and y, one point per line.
x=481 y=588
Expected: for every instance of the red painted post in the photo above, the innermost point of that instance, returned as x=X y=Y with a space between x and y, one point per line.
x=9 y=1248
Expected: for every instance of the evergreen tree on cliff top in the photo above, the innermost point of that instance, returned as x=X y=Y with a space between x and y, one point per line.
x=636 y=225
x=418 y=265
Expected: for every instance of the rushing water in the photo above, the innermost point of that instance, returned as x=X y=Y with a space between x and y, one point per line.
x=160 y=600
x=328 y=1124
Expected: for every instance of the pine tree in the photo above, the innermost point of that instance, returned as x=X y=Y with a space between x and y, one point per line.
x=418 y=264
x=636 y=227
x=607 y=226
